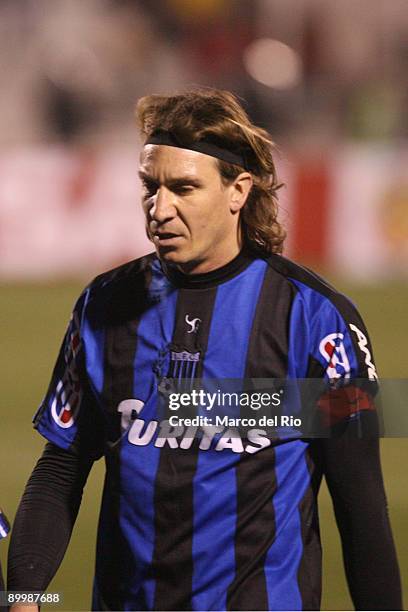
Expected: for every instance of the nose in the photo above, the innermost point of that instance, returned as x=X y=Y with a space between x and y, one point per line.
x=163 y=207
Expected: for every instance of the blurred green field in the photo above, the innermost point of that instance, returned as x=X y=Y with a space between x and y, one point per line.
x=33 y=321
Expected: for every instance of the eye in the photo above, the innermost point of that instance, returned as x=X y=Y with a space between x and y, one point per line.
x=149 y=190
x=183 y=189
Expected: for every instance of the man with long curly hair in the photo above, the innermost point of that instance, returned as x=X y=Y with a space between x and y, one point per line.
x=195 y=516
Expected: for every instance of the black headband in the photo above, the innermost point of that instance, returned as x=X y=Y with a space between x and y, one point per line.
x=162 y=137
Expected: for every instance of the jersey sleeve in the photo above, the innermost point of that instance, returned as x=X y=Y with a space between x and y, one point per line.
x=341 y=353
x=340 y=341
x=69 y=411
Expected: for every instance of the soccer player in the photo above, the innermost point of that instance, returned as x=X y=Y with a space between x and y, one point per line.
x=197 y=517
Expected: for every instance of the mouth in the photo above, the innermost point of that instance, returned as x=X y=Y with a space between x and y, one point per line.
x=165 y=238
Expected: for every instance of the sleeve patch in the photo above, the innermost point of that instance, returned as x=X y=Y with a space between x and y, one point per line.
x=332 y=348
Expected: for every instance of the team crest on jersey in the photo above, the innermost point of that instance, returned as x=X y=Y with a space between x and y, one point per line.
x=183 y=364
x=333 y=350
x=67 y=398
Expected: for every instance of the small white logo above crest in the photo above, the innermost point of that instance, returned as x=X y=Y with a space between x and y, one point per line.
x=194 y=324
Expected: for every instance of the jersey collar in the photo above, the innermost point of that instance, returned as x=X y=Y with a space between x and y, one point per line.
x=206 y=280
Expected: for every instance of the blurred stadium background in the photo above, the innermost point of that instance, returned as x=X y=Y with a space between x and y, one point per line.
x=329 y=81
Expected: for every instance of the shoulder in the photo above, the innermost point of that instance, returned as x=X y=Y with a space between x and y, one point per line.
x=315 y=293
x=325 y=323
x=119 y=293
x=128 y=272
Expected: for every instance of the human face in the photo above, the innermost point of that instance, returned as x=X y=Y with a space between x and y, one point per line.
x=191 y=216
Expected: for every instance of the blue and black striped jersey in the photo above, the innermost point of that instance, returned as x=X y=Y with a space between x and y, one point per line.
x=191 y=520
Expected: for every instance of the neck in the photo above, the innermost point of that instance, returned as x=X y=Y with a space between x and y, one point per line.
x=201 y=267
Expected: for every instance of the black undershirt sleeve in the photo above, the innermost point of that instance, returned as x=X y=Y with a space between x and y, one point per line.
x=45 y=518
x=353 y=473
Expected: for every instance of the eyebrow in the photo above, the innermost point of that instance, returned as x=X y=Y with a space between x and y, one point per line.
x=176 y=182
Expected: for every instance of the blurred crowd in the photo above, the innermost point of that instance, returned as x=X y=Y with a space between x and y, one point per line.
x=327 y=78
x=309 y=70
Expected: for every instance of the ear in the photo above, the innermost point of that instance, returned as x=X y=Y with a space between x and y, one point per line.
x=240 y=189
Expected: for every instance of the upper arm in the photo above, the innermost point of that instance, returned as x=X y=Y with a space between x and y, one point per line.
x=69 y=416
